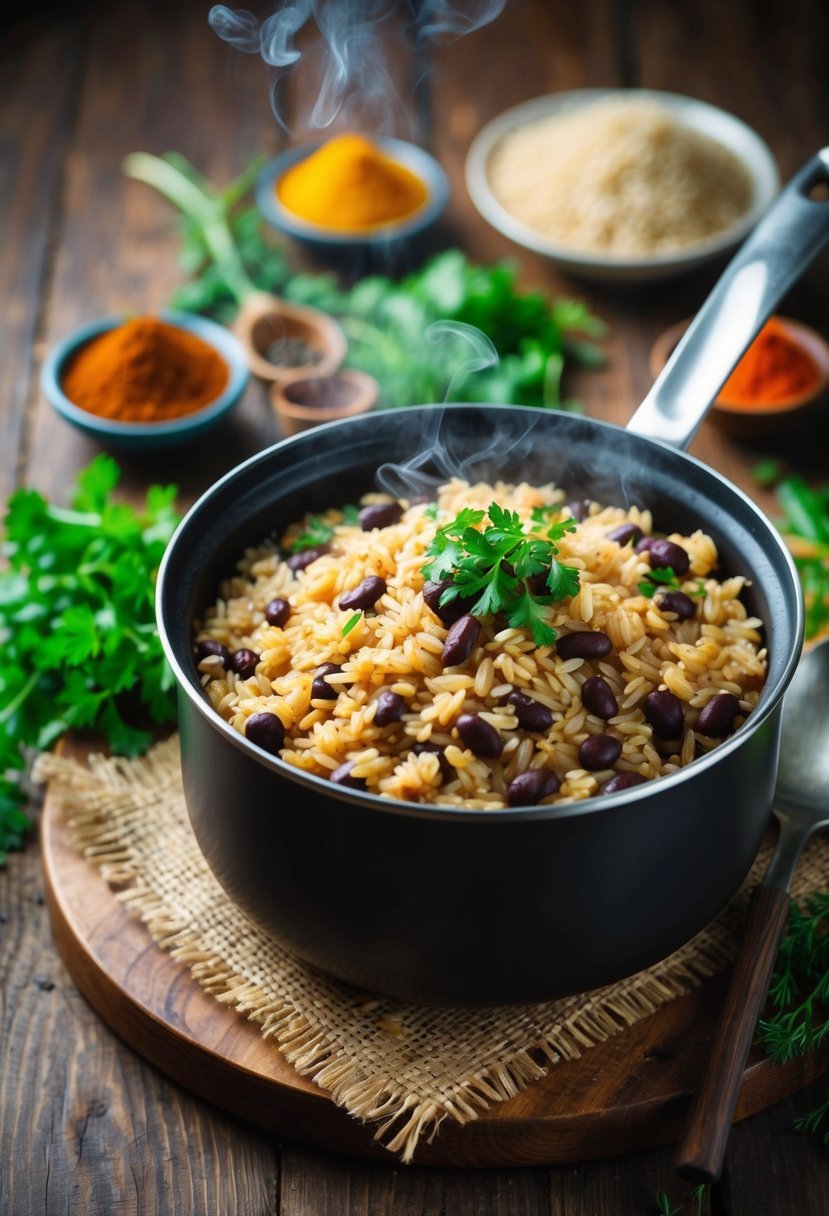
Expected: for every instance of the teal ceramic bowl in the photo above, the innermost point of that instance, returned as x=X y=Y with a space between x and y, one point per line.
x=143 y=436
x=412 y=157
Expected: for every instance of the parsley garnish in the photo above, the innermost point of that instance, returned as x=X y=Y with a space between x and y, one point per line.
x=317 y=531
x=77 y=624
x=664 y=579
x=498 y=567
x=350 y=623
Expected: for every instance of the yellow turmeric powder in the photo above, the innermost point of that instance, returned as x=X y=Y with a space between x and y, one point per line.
x=349 y=184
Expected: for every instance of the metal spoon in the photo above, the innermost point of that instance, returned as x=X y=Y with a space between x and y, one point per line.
x=801 y=805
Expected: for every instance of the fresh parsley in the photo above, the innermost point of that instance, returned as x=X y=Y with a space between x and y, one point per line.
x=502 y=568
x=350 y=623
x=317 y=530
x=77 y=624
x=664 y=579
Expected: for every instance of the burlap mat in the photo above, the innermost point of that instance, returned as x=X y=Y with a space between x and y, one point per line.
x=402 y=1068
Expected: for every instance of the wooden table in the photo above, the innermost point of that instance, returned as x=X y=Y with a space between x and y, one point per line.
x=85 y=1124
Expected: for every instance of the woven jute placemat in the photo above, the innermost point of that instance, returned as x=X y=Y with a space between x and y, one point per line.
x=401 y=1068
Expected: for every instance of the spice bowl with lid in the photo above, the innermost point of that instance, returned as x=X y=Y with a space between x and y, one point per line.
x=352 y=192
x=142 y=382
x=781 y=379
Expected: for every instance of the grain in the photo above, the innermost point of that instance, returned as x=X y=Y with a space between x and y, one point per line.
x=619 y=177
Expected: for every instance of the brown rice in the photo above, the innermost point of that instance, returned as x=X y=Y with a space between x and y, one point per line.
x=398 y=646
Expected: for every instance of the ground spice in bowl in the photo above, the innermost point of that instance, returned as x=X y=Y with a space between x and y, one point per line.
x=784 y=371
x=144 y=370
x=349 y=184
x=776 y=370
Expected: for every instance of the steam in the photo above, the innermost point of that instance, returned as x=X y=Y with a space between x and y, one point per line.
x=349 y=50
x=446 y=450
x=464 y=348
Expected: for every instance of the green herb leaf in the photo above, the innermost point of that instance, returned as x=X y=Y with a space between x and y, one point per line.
x=77 y=623
x=350 y=623
x=494 y=566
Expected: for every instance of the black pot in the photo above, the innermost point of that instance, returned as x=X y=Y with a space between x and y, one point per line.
x=445 y=905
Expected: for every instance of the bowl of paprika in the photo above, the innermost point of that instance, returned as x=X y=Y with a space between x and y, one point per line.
x=783 y=374
x=141 y=381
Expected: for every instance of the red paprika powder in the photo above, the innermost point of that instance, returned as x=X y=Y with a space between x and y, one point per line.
x=145 y=370
x=775 y=369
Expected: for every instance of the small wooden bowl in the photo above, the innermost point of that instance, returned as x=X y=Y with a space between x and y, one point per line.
x=751 y=421
x=264 y=319
x=308 y=399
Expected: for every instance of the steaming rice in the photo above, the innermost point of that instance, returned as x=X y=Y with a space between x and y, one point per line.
x=397 y=646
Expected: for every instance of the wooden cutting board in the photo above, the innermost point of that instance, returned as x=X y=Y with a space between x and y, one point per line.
x=629 y=1093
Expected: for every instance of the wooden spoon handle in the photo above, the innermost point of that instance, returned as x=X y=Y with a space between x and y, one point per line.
x=702 y=1149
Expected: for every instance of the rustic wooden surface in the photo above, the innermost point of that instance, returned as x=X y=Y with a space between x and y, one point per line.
x=625 y=1094
x=86 y=1125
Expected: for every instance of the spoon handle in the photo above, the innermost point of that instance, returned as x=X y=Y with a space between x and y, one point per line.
x=703 y=1146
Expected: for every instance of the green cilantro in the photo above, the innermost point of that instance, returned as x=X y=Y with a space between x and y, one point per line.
x=350 y=623
x=664 y=579
x=77 y=624
x=318 y=531
x=499 y=567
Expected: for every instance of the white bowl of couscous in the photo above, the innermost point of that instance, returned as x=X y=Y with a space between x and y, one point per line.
x=621 y=184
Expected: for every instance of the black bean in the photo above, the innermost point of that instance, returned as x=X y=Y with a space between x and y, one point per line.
x=460 y=641
x=244 y=662
x=365 y=594
x=390 y=706
x=277 y=612
x=716 y=718
x=530 y=788
x=598 y=698
x=531 y=715
x=321 y=690
x=479 y=736
x=664 y=712
x=599 y=751
x=622 y=781
x=578 y=510
x=448 y=613
x=537 y=583
x=266 y=731
x=342 y=776
x=677 y=602
x=380 y=515
x=211 y=647
x=626 y=533
x=298 y=561
x=584 y=644
x=664 y=553
x=434 y=749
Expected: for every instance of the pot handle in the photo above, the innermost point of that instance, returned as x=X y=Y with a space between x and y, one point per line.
x=789 y=236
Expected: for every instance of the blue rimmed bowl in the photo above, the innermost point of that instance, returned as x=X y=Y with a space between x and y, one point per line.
x=417 y=160
x=142 y=436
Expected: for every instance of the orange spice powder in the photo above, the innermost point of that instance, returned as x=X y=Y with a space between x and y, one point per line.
x=145 y=370
x=349 y=184
x=774 y=369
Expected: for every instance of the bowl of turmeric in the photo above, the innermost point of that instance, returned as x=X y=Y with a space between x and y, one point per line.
x=352 y=190
x=140 y=381
x=783 y=375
